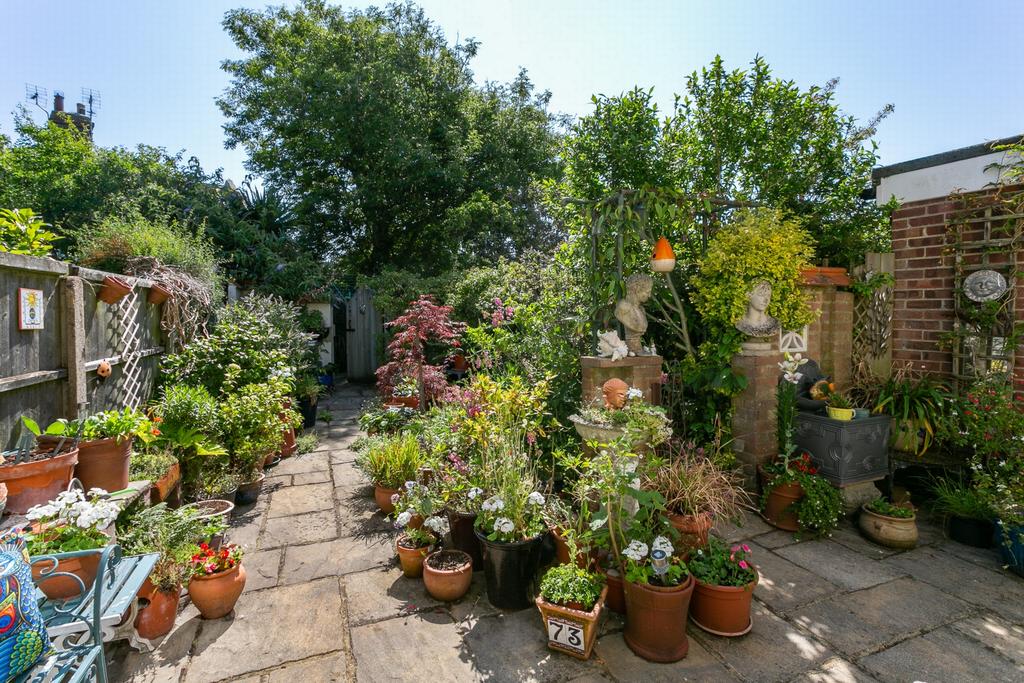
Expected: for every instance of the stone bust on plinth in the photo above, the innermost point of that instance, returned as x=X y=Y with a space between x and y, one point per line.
x=630 y=310
x=756 y=322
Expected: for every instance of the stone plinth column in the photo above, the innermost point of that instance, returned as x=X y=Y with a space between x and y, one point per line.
x=753 y=419
x=640 y=372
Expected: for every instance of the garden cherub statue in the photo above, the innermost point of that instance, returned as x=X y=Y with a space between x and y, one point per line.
x=630 y=310
x=610 y=346
x=756 y=322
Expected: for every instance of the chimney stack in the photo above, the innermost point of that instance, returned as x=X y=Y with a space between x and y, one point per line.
x=58 y=102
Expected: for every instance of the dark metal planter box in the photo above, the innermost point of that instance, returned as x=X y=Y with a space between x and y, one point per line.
x=845 y=452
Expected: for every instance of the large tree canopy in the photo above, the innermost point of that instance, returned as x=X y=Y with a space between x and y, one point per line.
x=372 y=122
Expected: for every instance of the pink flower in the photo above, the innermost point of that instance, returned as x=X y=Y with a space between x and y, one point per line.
x=746 y=548
x=732 y=557
x=735 y=548
x=531 y=438
x=744 y=565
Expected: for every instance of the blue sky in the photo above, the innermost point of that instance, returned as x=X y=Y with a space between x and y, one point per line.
x=950 y=68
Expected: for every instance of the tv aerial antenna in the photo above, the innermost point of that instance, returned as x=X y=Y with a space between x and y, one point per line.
x=39 y=96
x=91 y=99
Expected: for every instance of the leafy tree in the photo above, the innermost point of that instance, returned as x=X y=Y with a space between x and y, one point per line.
x=371 y=120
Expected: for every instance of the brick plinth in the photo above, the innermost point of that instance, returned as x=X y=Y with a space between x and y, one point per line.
x=640 y=372
x=753 y=417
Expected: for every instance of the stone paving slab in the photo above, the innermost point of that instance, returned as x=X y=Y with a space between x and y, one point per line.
x=298 y=500
x=836 y=670
x=165 y=664
x=261 y=569
x=385 y=593
x=698 y=665
x=308 y=528
x=336 y=557
x=752 y=527
x=331 y=668
x=783 y=585
x=421 y=647
x=995 y=634
x=864 y=621
x=838 y=564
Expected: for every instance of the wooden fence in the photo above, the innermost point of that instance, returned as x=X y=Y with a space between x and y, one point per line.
x=51 y=372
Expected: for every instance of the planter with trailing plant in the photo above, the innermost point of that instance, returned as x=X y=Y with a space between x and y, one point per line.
x=894 y=526
x=388 y=463
x=969 y=519
x=570 y=604
x=72 y=521
x=447 y=574
x=726 y=579
x=796 y=498
x=113 y=289
x=624 y=415
x=218 y=579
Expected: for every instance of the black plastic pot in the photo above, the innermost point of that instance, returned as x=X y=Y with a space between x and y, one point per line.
x=308 y=411
x=464 y=536
x=973 y=532
x=511 y=571
x=250 y=492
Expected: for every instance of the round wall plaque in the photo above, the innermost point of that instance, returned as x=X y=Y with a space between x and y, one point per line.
x=984 y=285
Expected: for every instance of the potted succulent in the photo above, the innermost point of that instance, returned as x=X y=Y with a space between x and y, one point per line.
x=105 y=446
x=696 y=492
x=969 y=518
x=218 y=579
x=894 y=526
x=725 y=579
x=570 y=604
x=447 y=574
x=72 y=521
x=388 y=462
x=33 y=476
x=840 y=407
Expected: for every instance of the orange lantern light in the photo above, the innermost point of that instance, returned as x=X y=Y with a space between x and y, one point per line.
x=664 y=259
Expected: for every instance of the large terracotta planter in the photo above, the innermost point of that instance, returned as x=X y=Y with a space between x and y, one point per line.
x=616 y=598
x=383 y=495
x=892 y=532
x=656 y=620
x=64 y=587
x=407 y=401
x=693 y=532
x=103 y=464
x=778 y=511
x=464 y=536
x=157 y=618
x=215 y=595
x=447 y=584
x=288 y=443
x=113 y=290
x=723 y=610
x=37 y=481
x=163 y=486
x=571 y=631
x=411 y=559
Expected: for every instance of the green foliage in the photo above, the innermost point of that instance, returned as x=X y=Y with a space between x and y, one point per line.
x=251 y=426
x=151 y=464
x=758 y=246
x=390 y=461
x=399 y=153
x=110 y=424
x=986 y=420
x=1000 y=483
x=566 y=584
x=883 y=507
x=173 y=534
x=820 y=508
x=719 y=565
x=960 y=498
x=306 y=443
x=916 y=403
x=23 y=232
x=182 y=406
x=379 y=419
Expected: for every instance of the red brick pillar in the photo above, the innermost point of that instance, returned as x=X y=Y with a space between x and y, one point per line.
x=753 y=418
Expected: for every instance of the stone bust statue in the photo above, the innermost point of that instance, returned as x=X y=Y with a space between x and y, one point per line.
x=756 y=322
x=630 y=311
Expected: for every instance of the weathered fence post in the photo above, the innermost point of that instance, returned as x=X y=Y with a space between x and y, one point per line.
x=73 y=319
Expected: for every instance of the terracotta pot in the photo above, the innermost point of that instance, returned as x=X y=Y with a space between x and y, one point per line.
x=157 y=618
x=415 y=522
x=693 y=532
x=448 y=585
x=63 y=587
x=102 y=463
x=164 y=486
x=37 y=481
x=616 y=598
x=656 y=620
x=892 y=532
x=248 y=493
x=411 y=558
x=777 y=511
x=215 y=595
x=824 y=275
x=562 y=550
x=406 y=401
x=288 y=443
x=570 y=630
x=464 y=536
x=383 y=497
x=723 y=610
x=113 y=290
x=157 y=295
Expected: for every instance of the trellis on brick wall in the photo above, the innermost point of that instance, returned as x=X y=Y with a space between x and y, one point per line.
x=873 y=312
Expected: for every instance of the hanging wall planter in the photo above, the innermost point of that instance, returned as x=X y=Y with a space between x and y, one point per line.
x=158 y=294
x=113 y=290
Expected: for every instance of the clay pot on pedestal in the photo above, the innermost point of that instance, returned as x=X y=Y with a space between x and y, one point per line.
x=382 y=495
x=447 y=574
x=156 y=619
x=693 y=532
x=411 y=557
x=215 y=595
x=723 y=610
x=892 y=532
x=37 y=480
x=656 y=620
x=569 y=630
x=113 y=290
x=64 y=587
x=511 y=571
x=778 y=511
x=464 y=536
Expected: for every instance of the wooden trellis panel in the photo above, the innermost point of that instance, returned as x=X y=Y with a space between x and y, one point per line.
x=872 y=316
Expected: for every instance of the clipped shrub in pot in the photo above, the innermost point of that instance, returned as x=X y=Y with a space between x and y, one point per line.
x=570 y=604
x=726 y=579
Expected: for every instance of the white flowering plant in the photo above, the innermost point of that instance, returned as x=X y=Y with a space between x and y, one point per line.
x=72 y=521
x=415 y=504
x=515 y=513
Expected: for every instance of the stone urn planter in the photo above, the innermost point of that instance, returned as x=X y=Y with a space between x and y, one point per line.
x=511 y=571
x=64 y=587
x=156 y=618
x=656 y=620
x=37 y=479
x=447 y=574
x=215 y=595
x=382 y=495
x=723 y=610
x=693 y=532
x=113 y=290
x=570 y=630
x=594 y=432
x=778 y=511
x=892 y=532
x=411 y=556
x=249 y=493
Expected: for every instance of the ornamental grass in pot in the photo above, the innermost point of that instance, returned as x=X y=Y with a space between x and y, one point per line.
x=389 y=461
x=447 y=574
x=570 y=602
x=726 y=579
x=969 y=518
x=894 y=526
x=217 y=579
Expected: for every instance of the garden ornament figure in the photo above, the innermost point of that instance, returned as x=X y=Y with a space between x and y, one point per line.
x=615 y=391
x=610 y=346
x=756 y=322
x=630 y=311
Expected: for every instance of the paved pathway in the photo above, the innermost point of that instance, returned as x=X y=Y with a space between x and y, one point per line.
x=325 y=601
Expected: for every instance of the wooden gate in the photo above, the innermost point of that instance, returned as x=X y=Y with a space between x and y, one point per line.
x=364 y=334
